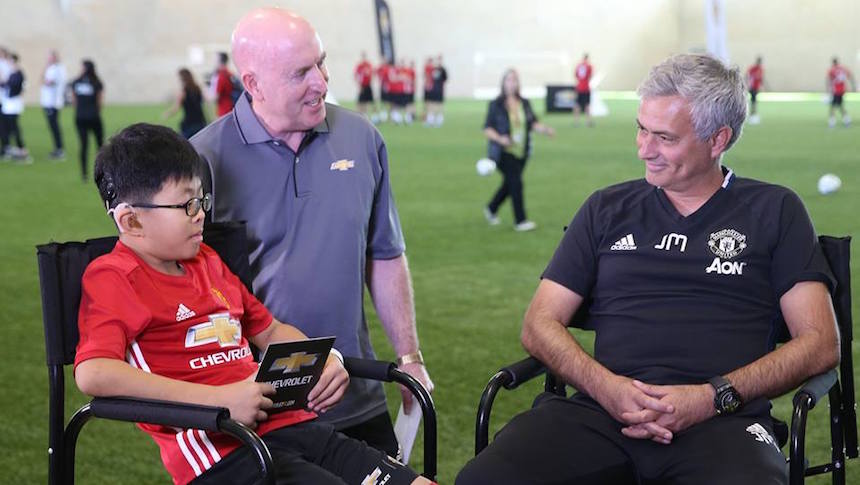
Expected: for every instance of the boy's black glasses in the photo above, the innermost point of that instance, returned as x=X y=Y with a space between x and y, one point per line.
x=192 y=207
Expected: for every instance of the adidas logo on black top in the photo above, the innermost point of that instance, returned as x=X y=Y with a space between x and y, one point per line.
x=626 y=243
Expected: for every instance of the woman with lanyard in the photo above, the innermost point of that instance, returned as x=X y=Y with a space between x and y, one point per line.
x=510 y=121
x=87 y=93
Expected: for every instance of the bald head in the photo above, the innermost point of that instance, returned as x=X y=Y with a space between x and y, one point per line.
x=281 y=62
x=265 y=33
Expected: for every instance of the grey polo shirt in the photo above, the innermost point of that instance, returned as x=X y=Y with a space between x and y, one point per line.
x=314 y=217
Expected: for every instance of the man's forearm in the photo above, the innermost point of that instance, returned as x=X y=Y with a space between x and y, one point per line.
x=552 y=344
x=783 y=369
x=546 y=337
x=813 y=349
x=390 y=288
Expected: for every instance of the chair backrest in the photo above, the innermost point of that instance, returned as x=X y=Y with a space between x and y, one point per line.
x=62 y=265
x=837 y=250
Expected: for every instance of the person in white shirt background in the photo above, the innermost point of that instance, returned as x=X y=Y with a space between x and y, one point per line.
x=52 y=99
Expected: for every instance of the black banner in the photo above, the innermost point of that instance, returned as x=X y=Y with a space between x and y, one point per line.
x=383 y=28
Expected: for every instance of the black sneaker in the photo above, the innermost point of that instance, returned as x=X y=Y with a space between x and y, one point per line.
x=58 y=155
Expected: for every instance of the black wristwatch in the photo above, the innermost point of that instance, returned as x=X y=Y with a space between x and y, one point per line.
x=727 y=399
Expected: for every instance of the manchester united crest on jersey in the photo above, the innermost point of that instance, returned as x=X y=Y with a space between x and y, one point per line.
x=727 y=243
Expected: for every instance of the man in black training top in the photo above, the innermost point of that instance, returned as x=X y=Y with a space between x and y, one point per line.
x=685 y=273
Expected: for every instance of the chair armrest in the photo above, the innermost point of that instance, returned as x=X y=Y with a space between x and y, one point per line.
x=379 y=370
x=522 y=371
x=167 y=413
x=509 y=377
x=376 y=370
x=180 y=415
x=815 y=388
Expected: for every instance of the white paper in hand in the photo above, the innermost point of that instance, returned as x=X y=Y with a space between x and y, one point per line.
x=406 y=428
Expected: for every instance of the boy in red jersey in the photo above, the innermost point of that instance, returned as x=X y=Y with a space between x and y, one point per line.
x=162 y=317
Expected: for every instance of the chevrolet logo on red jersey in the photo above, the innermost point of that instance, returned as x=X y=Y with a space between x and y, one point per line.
x=220 y=328
x=294 y=362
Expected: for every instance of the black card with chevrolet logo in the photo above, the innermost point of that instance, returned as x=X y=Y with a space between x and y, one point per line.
x=293 y=368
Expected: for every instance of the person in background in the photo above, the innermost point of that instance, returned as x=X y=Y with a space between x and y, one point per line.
x=582 y=73
x=223 y=86
x=363 y=77
x=52 y=98
x=87 y=92
x=5 y=70
x=755 y=81
x=385 y=74
x=190 y=100
x=434 y=97
x=508 y=128
x=13 y=106
x=838 y=78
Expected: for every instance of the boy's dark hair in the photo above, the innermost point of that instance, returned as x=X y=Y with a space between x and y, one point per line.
x=136 y=162
x=223 y=57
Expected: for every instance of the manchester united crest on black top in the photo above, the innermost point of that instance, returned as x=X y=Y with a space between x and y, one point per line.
x=727 y=243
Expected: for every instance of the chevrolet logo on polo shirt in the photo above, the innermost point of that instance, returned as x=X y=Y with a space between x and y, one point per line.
x=220 y=328
x=342 y=165
x=294 y=362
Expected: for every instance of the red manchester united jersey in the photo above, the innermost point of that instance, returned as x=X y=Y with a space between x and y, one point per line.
x=428 y=76
x=838 y=77
x=755 y=76
x=193 y=327
x=583 y=76
x=363 y=74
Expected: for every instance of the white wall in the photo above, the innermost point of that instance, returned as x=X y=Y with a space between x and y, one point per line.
x=139 y=44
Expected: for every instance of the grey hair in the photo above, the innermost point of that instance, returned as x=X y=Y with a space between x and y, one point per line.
x=716 y=92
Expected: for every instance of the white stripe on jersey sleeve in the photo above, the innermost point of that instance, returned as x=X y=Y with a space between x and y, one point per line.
x=129 y=357
x=216 y=457
x=185 y=452
x=138 y=355
x=194 y=444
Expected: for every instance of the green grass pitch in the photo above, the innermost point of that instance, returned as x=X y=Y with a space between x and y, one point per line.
x=472 y=282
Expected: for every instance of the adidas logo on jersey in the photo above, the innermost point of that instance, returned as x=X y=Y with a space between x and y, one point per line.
x=626 y=243
x=184 y=313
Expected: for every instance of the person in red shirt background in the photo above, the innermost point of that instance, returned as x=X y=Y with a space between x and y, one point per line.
x=223 y=86
x=397 y=91
x=428 y=84
x=435 y=77
x=755 y=81
x=409 y=89
x=582 y=73
x=384 y=73
x=837 y=78
x=363 y=76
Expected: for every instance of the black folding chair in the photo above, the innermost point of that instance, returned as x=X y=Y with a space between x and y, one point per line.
x=61 y=266
x=837 y=384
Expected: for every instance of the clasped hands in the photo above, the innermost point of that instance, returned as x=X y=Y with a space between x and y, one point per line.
x=655 y=412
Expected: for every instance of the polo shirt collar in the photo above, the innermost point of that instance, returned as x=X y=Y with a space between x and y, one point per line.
x=250 y=128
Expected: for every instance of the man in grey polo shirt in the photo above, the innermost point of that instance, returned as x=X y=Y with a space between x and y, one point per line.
x=312 y=182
